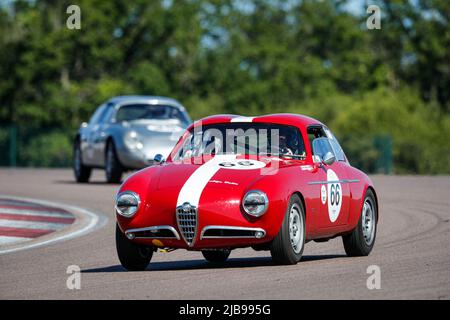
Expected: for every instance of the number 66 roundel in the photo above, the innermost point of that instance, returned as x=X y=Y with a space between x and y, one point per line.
x=334 y=195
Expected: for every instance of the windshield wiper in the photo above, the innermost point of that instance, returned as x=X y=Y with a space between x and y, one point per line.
x=293 y=156
x=284 y=155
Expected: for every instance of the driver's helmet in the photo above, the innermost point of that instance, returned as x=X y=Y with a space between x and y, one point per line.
x=288 y=139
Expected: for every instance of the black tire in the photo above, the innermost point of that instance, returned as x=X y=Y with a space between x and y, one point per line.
x=113 y=168
x=132 y=256
x=216 y=256
x=281 y=249
x=355 y=243
x=82 y=173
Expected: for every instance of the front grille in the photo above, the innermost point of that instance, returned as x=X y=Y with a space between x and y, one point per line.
x=187 y=222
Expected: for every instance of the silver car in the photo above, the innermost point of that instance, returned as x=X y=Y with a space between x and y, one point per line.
x=126 y=133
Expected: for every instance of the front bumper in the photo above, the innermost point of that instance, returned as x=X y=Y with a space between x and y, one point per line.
x=210 y=236
x=138 y=159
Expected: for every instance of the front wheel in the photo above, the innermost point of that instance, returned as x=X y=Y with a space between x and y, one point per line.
x=216 y=256
x=287 y=247
x=362 y=239
x=113 y=168
x=132 y=256
x=82 y=173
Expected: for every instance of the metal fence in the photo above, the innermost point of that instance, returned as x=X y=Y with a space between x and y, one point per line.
x=28 y=146
x=52 y=147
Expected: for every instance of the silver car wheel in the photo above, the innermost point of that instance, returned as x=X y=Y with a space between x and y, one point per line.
x=296 y=228
x=368 y=222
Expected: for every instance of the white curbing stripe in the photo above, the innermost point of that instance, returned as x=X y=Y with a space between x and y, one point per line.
x=32 y=224
x=96 y=221
x=27 y=212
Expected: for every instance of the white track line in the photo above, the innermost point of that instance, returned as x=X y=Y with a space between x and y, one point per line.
x=96 y=221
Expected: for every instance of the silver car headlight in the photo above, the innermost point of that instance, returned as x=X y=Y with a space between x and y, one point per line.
x=255 y=203
x=127 y=203
x=132 y=141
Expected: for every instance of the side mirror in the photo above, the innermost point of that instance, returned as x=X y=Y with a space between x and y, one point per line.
x=158 y=159
x=316 y=159
x=329 y=159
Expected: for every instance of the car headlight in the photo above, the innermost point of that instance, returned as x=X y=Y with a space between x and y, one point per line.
x=132 y=141
x=127 y=203
x=255 y=203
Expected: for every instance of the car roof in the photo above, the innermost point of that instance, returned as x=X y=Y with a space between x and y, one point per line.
x=146 y=99
x=278 y=118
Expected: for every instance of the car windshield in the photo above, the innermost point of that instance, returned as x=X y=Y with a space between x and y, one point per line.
x=243 y=139
x=132 y=112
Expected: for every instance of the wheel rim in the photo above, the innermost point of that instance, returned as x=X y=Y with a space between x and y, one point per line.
x=296 y=228
x=368 y=222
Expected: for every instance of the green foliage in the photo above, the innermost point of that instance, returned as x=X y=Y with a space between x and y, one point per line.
x=52 y=149
x=372 y=88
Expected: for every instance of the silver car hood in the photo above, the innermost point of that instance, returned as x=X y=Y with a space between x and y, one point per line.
x=157 y=136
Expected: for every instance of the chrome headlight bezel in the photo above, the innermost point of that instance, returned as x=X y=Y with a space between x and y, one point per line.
x=127 y=200
x=251 y=198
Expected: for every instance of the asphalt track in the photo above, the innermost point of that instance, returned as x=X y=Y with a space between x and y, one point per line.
x=412 y=251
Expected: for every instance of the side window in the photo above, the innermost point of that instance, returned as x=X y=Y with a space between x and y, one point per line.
x=97 y=115
x=106 y=115
x=315 y=132
x=340 y=156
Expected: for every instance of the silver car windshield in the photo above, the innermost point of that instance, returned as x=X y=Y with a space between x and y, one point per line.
x=133 y=112
x=243 y=138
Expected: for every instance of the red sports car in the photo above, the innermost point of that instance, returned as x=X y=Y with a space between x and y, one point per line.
x=270 y=182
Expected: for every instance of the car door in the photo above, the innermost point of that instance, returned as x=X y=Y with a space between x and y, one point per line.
x=100 y=135
x=333 y=181
x=87 y=138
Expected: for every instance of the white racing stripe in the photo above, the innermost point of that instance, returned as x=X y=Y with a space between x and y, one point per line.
x=242 y=119
x=193 y=187
x=31 y=224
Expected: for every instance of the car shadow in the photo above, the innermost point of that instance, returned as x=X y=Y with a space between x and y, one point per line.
x=199 y=264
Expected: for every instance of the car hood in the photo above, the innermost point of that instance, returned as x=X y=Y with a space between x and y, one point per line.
x=153 y=127
x=157 y=136
x=202 y=180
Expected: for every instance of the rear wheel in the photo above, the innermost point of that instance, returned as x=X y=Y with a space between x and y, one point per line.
x=82 y=173
x=216 y=255
x=113 y=168
x=287 y=247
x=132 y=256
x=362 y=239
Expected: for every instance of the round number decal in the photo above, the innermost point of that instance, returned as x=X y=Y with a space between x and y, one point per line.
x=334 y=195
x=236 y=164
